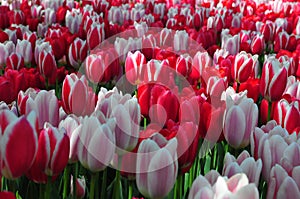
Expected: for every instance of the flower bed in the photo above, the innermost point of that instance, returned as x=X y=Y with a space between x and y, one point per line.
x=149 y=99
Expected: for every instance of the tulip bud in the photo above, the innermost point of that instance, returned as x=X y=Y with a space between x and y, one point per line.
x=77 y=52
x=258 y=44
x=73 y=21
x=184 y=65
x=53 y=150
x=50 y=16
x=95 y=35
x=134 y=67
x=47 y=64
x=273 y=80
x=75 y=91
x=80 y=187
x=24 y=48
x=15 y=61
x=96 y=145
x=156 y=159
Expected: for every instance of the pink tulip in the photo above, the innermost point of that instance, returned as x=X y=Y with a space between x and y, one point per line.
x=96 y=145
x=95 y=68
x=229 y=42
x=281 y=185
x=235 y=187
x=44 y=103
x=77 y=52
x=181 y=40
x=24 y=48
x=156 y=71
x=201 y=62
x=73 y=21
x=216 y=86
x=50 y=16
x=19 y=143
x=53 y=150
x=6 y=49
x=243 y=164
x=75 y=93
x=115 y=15
x=273 y=80
x=70 y=124
x=240 y=119
x=134 y=67
x=136 y=13
x=40 y=46
x=156 y=160
x=148 y=45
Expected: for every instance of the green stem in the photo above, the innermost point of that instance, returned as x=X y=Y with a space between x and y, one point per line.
x=180 y=186
x=66 y=181
x=104 y=179
x=145 y=123
x=48 y=188
x=94 y=179
x=269 y=110
x=117 y=186
x=47 y=83
x=130 y=190
x=75 y=174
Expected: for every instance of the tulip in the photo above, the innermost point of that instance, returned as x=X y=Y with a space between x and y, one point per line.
x=44 y=103
x=77 y=52
x=80 y=187
x=31 y=37
x=282 y=185
x=184 y=65
x=156 y=160
x=159 y=9
x=243 y=66
x=157 y=71
x=7 y=195
x=215 y=87
x=240 y=119
x=137 y=12
x=166 y=37
x=148 y=45
x=24 y=48
x=47 y=64
x=115 y=15
x=243 y=164
x=75 y=91
x=17 y=158
x=287 y=114
x=73 y=21
x=95 y=35
x=70 y=124
x=53 y=150
x=281 y=41
x=50 y=16
x=16 y=17
x=40 y=45
x=134 y=67
x=273 y=80
x=229 y=42
x=12 y=35
x=258 y=44
x=235 y=187
x=15 y=61
x=216 y=22
x=293 y=90
x=267 y=29
x=96 y=145
x=201 y=61
x=5 y=50
x=95 y=68
x=181 y=40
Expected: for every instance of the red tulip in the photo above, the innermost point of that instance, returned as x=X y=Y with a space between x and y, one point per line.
x=273 y=80
x=53 y=150
x=17 y=158
x=243 y=66
x=287 y=114
x=281 y=41
x=184 y=65
x=7 y=195
x=77 y=52
x=47 y=64
x=16 y=17
x=75 y=91
x=80 y=187
x=15 y=61
x=95 y=35
x=258 y=44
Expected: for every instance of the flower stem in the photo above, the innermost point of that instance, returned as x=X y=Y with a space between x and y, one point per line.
x=238 y=87
x=117 y=193
x=130 y=190
x=104 y=179
x=66 y=181
x=95 y=177
x=75 y=174
x=48 y=188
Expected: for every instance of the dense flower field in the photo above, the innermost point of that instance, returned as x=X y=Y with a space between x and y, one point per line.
x=149 y=99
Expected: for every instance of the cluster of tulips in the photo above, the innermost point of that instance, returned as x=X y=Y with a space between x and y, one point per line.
x=149 y=99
